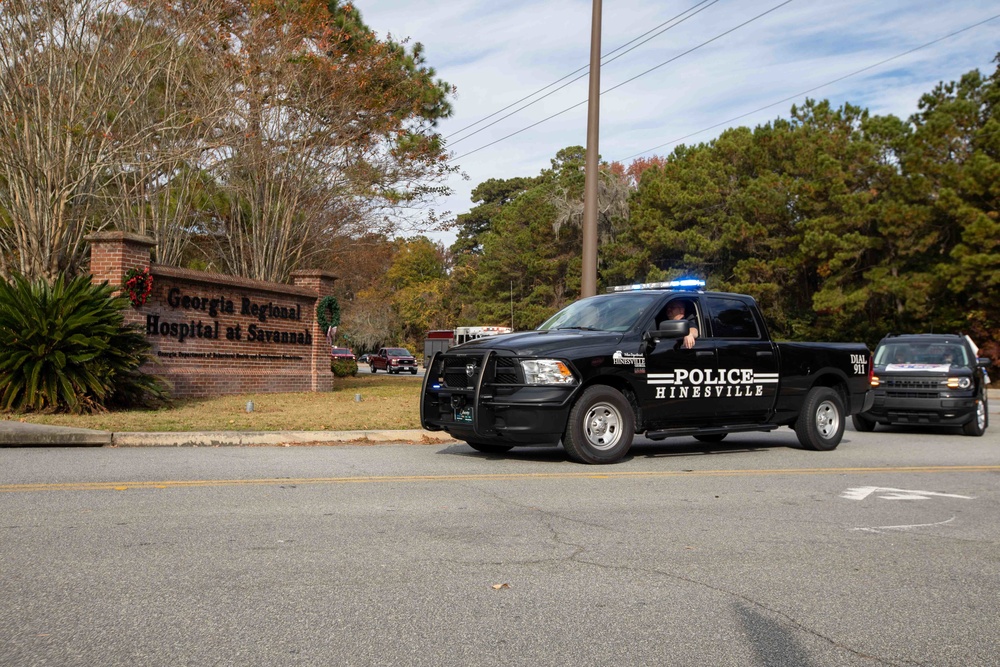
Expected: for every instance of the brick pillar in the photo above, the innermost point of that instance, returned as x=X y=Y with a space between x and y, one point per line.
x=114 y=253
x=320 y=282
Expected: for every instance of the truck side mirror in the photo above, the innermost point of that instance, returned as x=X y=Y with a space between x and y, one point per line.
x=984 y=362
x=670 y=329
x=673 y=329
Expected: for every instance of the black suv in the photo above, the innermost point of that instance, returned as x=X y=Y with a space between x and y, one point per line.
x=928 y=379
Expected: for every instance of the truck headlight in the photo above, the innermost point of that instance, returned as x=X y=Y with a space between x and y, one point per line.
x=959 y=383
x=546 y=371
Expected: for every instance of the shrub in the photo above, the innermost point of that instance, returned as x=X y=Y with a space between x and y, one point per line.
x=343 y=367
x=65 y=347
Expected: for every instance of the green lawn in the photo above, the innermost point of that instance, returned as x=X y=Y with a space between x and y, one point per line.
x=386 y=403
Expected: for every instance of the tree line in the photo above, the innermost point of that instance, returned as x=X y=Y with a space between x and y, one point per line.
x=253 y=137
x=245 y=136
x=843 y=224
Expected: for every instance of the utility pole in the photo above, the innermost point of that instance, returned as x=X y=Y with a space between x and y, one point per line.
x=588 y=278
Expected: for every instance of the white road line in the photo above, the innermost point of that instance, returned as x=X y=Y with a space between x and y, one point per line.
x=862 y=492
x=879 y=529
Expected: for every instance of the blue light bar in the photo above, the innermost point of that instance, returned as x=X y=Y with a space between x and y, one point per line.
x=682 y=284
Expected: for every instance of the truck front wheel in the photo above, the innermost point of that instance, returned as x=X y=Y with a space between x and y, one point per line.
x=601 y=426
x=820 y=425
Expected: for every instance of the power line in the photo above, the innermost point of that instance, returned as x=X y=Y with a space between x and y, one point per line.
x=815 y=88
x=570 y=108
x=584 y=69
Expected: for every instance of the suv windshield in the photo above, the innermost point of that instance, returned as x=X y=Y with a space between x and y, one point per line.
x=340 y=350
x=936 y=353
x=605 y=312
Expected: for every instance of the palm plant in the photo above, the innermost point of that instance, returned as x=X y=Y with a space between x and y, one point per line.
x=64 y=346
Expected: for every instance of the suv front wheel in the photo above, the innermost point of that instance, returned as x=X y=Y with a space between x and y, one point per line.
x=863 y=424
x=980 y=421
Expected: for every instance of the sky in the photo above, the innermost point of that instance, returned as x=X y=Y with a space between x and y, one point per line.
x=682 y=71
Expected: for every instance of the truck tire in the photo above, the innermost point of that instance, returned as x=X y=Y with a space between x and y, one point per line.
x=980 y=421
x=488 y=448
x=863 y=424
x=601 y=426
x=372 y=367
x=820 y=425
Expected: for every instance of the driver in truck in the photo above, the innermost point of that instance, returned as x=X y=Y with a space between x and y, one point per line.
x=681 y=310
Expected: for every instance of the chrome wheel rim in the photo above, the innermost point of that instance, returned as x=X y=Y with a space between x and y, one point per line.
x=981 y=414
x=603 y=426
x=827 y=420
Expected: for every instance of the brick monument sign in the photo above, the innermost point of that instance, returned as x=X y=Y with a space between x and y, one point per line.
x=214 y=334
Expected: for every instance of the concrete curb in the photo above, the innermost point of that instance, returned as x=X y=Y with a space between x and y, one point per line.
x=24 y=434
x=274 y=438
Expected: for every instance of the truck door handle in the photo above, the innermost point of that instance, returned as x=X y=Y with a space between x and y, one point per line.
x=762 y=353
x=704 y=353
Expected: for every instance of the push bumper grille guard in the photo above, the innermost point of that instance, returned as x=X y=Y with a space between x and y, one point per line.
x=461 y=377
x=485 y=382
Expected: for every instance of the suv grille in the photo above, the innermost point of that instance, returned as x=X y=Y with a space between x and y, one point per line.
x=912 y=387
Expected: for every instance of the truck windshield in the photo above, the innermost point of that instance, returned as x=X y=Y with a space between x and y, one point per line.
x=605 y=312
x=398 y=352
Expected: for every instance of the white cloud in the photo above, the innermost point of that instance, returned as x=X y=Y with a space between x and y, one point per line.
x=496 y=53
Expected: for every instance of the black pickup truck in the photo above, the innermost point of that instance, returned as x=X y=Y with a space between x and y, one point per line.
x=613 y=365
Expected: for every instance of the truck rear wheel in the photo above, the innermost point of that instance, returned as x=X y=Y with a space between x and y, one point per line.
x=601 y=426
x=820 y=425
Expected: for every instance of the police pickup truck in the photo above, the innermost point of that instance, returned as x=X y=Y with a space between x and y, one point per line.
x=611 y=366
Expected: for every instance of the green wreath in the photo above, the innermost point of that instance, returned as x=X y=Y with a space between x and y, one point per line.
x=327 y=313
x=137 y=285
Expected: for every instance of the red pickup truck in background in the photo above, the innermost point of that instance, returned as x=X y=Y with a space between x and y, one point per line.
x=393 y=360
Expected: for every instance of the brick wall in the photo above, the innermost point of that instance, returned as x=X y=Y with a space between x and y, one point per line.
x=213 y=334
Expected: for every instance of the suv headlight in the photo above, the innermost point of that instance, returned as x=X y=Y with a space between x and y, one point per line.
x=959 y=383
x=546 y=371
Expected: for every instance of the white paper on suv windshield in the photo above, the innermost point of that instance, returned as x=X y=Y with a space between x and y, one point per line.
x=939 y=368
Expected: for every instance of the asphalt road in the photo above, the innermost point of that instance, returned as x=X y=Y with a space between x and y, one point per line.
x=748 y=552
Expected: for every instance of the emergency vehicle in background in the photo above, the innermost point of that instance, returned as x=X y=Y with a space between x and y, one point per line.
x=440 y=340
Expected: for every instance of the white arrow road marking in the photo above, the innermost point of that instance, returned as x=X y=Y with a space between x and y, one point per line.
x=879 y=529
x=862 y=492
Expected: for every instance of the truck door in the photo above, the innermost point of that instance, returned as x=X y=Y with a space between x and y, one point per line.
x=748 y=362
x=675 y=391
